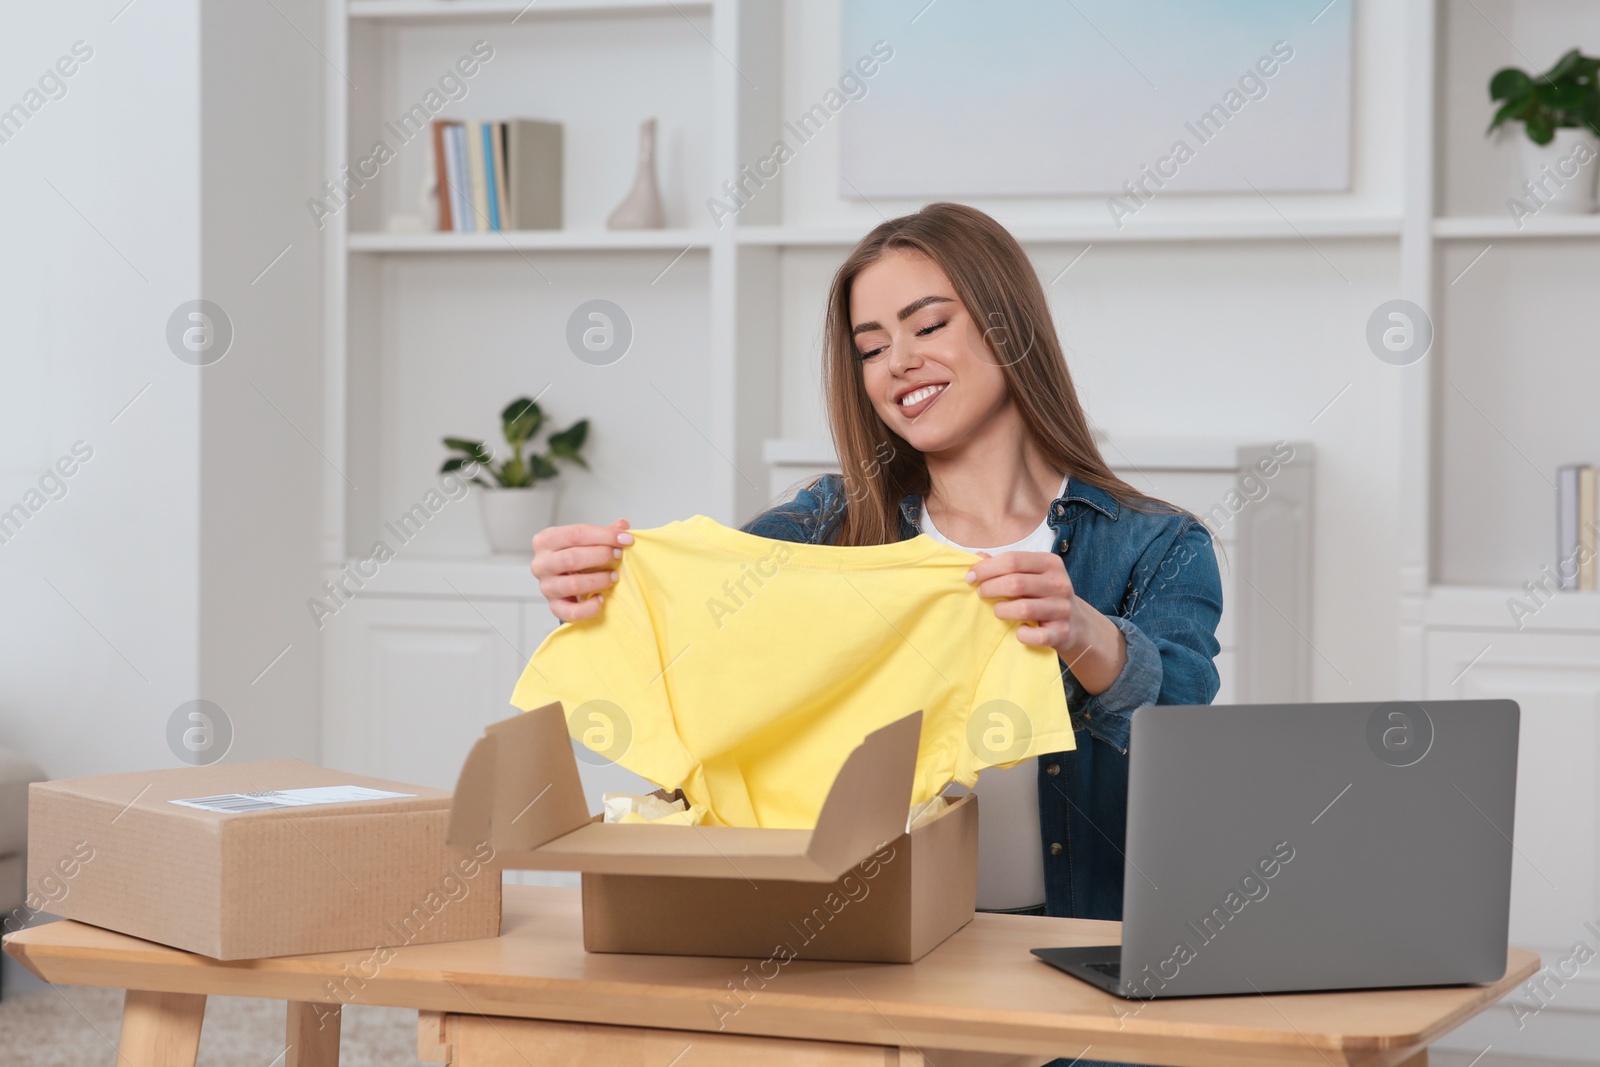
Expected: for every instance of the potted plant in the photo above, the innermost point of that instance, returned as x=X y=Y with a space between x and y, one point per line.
x=1560 y=113
x=517 y=506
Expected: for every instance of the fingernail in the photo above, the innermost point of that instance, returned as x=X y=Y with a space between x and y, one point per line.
x=972 y=576
x=624 y=538
x=616 y=553
x=615 y=577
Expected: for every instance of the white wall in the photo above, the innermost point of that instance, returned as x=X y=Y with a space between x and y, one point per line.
x=93 y=666
x=164 y=573
x=261 y=460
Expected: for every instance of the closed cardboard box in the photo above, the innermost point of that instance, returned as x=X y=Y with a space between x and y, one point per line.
x=245 y=860
x=856 y=887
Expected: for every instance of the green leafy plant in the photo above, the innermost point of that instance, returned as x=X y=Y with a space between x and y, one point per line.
x=520 y=422
x=1567 y=95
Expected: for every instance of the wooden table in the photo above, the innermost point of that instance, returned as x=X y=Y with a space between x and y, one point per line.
x=534 y=996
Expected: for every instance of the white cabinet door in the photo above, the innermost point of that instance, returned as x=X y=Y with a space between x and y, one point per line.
x=1555 y=678
x=411 y=683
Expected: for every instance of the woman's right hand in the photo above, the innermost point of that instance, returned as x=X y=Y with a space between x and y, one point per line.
x=575 y=564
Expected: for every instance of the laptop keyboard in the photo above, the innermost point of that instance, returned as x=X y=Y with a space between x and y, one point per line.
x=1111 y=969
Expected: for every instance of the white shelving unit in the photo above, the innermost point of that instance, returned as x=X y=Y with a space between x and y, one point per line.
x=1505 y=395
x=599 y=67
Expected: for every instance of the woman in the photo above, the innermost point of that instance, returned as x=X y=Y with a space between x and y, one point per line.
x=954 y=415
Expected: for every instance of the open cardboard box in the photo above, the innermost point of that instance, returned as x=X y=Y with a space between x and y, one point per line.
x=855 y=887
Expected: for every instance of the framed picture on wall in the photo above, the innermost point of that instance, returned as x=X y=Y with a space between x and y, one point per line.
x=1096 y=97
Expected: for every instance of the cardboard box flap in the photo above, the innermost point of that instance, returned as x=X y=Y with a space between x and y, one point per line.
x=870 y=800
x=532 y=811
x=519 y=786
x=472 y=810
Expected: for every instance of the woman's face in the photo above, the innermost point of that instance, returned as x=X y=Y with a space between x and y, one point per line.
x=923 y=359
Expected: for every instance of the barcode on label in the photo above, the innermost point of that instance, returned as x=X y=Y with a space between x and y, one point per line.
x=238 y=802
x=273 y=799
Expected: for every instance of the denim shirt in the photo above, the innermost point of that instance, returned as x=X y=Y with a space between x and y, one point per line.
x=1154 y=574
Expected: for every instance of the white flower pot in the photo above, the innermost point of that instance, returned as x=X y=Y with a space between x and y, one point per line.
x=512 y=516
x=1572 y=158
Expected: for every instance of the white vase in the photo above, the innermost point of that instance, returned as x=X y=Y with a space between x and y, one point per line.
x=512 y=516
x=1572 y=159
x=428 y=200
x=641 y=208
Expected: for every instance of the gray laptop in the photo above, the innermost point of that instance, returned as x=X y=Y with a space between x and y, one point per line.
x=1281 y=847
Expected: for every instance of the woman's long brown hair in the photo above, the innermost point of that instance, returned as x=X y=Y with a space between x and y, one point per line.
x=995 y=281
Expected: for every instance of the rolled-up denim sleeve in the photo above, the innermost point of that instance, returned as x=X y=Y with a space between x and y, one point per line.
x=1170 y=626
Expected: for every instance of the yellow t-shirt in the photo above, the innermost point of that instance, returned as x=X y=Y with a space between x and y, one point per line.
x=745 y=670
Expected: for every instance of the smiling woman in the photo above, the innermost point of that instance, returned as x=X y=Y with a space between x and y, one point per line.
x=941 y=355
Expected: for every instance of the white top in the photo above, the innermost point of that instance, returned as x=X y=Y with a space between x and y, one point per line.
x=1010 y=845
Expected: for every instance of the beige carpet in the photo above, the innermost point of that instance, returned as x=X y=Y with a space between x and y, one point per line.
x=70 y=1026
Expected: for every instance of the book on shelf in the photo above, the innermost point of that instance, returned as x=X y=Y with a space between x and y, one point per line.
x=496 y=151
x=498 y=175
x=1576 y=527
x=461 y=211
x=476 y=175
x=533 y=174
x=441 y=173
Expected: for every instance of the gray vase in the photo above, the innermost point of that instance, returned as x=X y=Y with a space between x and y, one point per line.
x=641 y=208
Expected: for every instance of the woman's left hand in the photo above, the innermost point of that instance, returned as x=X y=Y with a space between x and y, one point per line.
x=1035 y=589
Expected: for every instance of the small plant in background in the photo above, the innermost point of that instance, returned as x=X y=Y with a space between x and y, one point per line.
x=1565 y=96
x=520 y=423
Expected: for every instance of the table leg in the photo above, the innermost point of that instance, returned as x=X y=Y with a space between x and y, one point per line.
x=312 y=1034
x=160 y=1029
x=433 y=1037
